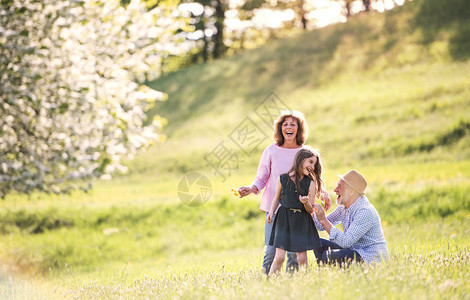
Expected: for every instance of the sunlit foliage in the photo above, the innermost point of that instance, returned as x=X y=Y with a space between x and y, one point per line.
x=72 y=99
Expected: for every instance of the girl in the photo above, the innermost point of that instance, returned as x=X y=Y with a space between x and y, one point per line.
x=293 y=228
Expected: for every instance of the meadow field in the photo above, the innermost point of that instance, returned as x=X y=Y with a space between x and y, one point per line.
x=387 y=94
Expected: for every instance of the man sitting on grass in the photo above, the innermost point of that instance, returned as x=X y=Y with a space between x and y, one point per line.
x=362 y=238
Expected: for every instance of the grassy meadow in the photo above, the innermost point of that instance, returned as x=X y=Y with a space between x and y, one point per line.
x=387 y=94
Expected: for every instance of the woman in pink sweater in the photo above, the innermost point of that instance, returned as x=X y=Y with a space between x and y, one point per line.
x=290 y=133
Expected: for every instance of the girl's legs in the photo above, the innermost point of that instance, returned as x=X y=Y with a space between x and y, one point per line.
x=302 y=259
x=292 y=264
x=270 y=251
x=278 y=261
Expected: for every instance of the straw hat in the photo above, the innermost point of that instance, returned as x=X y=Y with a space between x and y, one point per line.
x=355 y=180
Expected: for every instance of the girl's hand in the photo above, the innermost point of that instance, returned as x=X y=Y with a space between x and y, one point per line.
x=304 y=199
x=269 y=218
x=326 y=199
x=310 y=170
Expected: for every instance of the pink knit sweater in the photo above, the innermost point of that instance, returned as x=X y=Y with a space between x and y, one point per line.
x=274 y=161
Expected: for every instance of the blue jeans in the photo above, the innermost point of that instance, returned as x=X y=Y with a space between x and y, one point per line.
x=292 y=263
x=331 y=253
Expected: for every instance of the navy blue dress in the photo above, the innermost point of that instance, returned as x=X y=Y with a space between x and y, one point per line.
x=293 y=228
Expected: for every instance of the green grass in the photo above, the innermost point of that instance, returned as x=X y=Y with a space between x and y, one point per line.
x=387 y=94
x=388 y=281
x=425 y=264
x=58 y=239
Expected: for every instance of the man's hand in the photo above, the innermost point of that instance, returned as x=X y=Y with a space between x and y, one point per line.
x=321 y=217
x=319 y=212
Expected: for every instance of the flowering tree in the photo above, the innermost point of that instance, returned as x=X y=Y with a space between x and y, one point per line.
x=72 y=99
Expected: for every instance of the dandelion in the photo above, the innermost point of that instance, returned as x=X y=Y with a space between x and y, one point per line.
x=235 y=192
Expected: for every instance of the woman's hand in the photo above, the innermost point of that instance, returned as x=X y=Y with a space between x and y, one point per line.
x=246 y=190
x=269 y=218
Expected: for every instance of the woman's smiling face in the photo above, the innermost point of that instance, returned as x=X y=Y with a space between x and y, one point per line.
x=289 y=129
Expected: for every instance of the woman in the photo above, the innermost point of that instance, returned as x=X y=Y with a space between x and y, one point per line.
x=290 y=133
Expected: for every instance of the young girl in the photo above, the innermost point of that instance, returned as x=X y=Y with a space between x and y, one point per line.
x=293 y=228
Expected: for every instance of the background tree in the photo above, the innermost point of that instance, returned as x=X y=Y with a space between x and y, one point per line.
x=347 y=6
x=207 y=20
x=220 y=6
x=200 y=21
x=72 y=100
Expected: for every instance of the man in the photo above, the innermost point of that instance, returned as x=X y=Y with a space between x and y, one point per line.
x=362 y=238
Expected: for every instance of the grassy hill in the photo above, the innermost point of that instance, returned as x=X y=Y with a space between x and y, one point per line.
x=387 y=94
x=381 y=87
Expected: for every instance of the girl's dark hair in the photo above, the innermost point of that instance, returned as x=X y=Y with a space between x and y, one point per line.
x=302 y=130
x=302 y=154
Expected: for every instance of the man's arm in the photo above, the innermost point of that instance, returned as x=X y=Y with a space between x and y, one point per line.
x=363 y=222
x=321 y=217
x=334 y=218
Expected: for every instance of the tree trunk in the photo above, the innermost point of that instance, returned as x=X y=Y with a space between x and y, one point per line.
x=302 y=14
x=219 y=46
x=205 y=47
x=348 y=9
x=205 y=51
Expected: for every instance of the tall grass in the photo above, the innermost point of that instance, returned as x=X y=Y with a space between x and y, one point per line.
x=435 y=275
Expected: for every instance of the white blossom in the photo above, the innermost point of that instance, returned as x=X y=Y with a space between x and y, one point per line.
x=72 y=101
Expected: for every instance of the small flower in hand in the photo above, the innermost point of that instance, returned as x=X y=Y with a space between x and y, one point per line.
x=235 y=192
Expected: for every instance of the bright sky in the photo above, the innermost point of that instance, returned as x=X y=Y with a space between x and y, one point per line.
x=322 y=13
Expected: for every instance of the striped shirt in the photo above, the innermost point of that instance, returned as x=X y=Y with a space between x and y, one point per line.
x=362 y=230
